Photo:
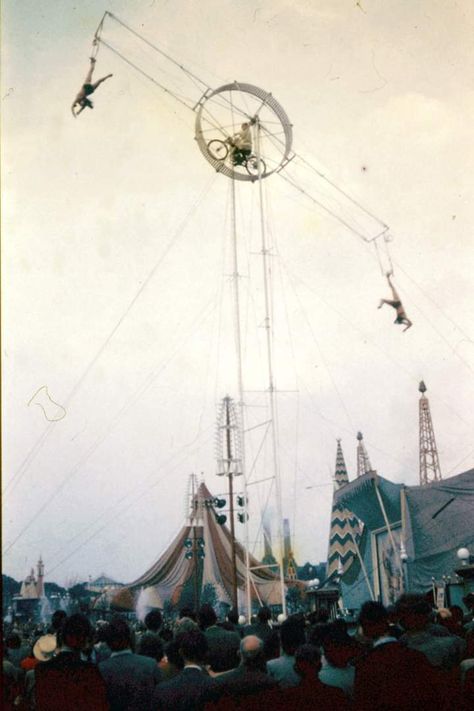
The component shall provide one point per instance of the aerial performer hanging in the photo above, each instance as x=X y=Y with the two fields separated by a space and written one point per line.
x=86 y=90
x=402 y=318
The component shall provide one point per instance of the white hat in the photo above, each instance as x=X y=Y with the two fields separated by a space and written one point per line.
x=45 y=647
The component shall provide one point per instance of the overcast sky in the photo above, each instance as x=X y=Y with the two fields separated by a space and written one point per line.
x=116 y=258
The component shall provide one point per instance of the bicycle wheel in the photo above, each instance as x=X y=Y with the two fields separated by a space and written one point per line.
x=219 y=116
x=218 y=149
x=255 y=167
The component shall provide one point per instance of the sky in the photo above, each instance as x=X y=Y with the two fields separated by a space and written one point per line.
x=117 y=264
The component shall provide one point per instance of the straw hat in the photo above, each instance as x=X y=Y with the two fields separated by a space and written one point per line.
x=45 y=647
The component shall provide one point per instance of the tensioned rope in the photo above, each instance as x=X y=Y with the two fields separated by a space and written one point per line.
x=59 y=488
x=119 y=510
x=21 y=470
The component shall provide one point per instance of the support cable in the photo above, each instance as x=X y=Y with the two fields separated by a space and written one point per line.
x=41 y=440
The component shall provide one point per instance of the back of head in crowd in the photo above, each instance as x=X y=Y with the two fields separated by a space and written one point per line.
x=338 y=645
x=153 y=620
x=13 y=641
x=57 y=620
x=151 y=646
x=233 y=616
x=76 y=632
x=188 y=612
x=193 y=646
x=264 y=614
x=118 y=634
x=373 y=618
x=206 y=617
x=292 y=634
x=307 y=660
x=414 y=611
x=252 y=654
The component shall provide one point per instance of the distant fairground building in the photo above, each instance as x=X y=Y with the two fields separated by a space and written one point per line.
x=27 y=604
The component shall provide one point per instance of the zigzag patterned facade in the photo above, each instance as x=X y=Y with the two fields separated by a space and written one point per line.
x=346 y=530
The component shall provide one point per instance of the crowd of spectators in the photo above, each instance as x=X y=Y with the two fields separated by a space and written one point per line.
x=410 y=657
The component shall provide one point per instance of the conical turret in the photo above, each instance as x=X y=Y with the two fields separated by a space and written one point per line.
x=345 y=527
x=340 y=474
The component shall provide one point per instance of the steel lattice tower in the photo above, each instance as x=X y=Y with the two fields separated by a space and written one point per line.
x=363 y=461
x=429 y=460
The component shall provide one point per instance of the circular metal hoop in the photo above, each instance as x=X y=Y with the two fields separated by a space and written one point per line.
x=219 y=116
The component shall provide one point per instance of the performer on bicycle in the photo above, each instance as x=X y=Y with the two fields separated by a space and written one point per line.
x=241 y=145
x=86 y=90
x=396 y=303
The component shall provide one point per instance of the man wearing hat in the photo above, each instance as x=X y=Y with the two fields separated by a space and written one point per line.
x=65 y=681
x=43 y=650
x=44 y=647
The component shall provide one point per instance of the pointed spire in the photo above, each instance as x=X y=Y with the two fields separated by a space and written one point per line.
x=345 y=527
x=340 y=475
x=363 y=461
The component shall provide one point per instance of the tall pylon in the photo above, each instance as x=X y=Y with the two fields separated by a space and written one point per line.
x=363 y=461
x=429 y=460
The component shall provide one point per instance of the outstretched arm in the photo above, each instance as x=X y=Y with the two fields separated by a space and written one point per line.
x=76 y=113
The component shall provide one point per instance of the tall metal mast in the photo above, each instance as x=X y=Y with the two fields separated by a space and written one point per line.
x=271 y=381
x=363 y=461
x=429 y=461
x=241 y=403
x=229 y=465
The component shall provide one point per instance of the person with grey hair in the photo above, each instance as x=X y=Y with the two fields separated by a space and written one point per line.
x=250 y=679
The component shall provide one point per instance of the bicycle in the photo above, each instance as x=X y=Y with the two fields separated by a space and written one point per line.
x=220 y=150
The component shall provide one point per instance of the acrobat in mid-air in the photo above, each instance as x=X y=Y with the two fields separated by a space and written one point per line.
x=87 y=89
x=402 y=318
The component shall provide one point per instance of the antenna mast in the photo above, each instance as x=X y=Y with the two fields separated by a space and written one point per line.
x=363 y=461
x=429 y=461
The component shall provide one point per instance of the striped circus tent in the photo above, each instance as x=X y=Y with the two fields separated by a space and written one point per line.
x=200 y=555
x=346 y=529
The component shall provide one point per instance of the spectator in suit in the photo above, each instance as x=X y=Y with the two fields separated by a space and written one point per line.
x=223 y=644
x=310 y=693
x=249 y=682
x=66 y=681
x=16 y=649
x=292 y=636
x=172 y=663
x=263 y=629
x=391 y=676
x=231 y=623
x=339 y=651
x=153 y=621
x=130 y=678
x=415 y=613
x=192 y=687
